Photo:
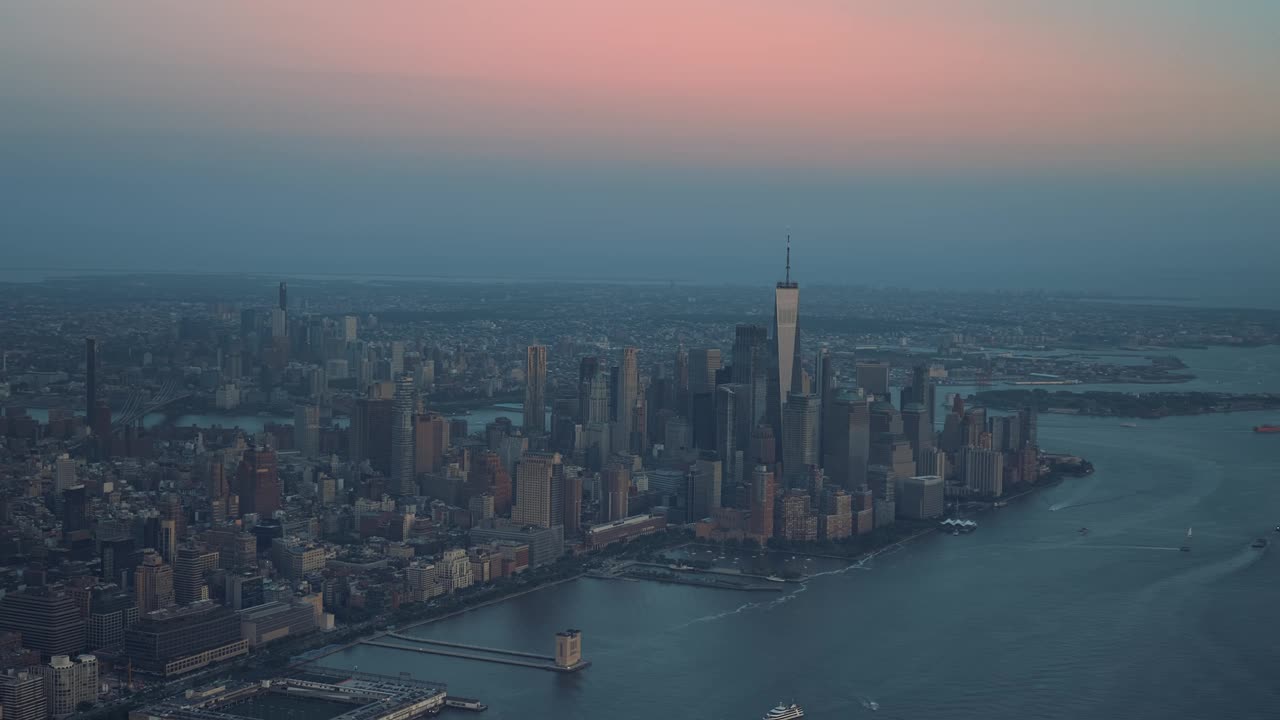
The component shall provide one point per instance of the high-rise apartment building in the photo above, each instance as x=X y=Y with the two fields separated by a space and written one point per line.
x=68 y=683
x=153 y=583
x=455 y=570
x=403 y=479
x=535 y=390
x=306 y=430
x=536 y=476
x=431 y=439
x=347 y=330
x=64 y=473
x=22 y=696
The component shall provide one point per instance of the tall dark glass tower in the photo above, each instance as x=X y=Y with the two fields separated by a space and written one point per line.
x=90 y=377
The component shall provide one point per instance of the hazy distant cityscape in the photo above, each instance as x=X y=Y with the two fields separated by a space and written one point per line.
x=212 y=480
x=682 y=358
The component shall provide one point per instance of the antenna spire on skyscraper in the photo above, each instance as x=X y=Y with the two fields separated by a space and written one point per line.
x=788 y=258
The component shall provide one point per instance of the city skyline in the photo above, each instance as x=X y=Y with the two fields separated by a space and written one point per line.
x=367 y=361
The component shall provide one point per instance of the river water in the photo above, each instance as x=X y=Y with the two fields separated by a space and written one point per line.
x=1026 y=618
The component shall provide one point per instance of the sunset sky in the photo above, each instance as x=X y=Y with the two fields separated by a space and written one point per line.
x=589 y=136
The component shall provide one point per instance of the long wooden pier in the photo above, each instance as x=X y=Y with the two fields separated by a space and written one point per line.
x=474 y=652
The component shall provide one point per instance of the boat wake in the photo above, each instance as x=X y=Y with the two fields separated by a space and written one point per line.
x=1067 y=506
x=861 y=564
x=868 y=703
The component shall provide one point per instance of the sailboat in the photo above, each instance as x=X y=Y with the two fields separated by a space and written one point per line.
x=1186 y=546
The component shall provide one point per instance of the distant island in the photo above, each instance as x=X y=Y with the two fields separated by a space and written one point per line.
x=1129 y=405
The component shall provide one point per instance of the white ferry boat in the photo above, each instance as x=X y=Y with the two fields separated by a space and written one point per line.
x=785 y=712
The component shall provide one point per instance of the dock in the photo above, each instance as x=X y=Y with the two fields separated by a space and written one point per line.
x=476 y=652
x=713 y=583
x=464 y=703
x=463 y=646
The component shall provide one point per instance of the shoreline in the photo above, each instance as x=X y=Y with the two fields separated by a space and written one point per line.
x=477 y=606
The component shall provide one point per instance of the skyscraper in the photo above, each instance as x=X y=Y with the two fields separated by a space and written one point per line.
x=799 y=437
x=750 y=348
x=535 y=390
x=259 y=482
x=681 y=372
x=306 y=430
x=727 y=425
x=403 y=480
x=90 y=377
x=983 y=470
x=628 y=388
x=284 y=296
x=370 y=434
x=153 y=583
x=917 y=428
x=924 y=391
x=189 y=574
x=786 y=315
x=705 y=488
x=431 y=439
x=1027 y=432
x=588 y=368
x=703 y=364
x=873 y=378
x=598 y=398
x=824 y=387
x=67 y=683
x=571 y=483
x=616 y=485
x=535 y=491
x=762 y=490
x=64 y=472
x=848 y=441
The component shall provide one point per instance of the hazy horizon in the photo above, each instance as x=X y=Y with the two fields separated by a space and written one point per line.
x=1126 y=146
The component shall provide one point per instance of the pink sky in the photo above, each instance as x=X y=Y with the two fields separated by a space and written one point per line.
x=821 y=83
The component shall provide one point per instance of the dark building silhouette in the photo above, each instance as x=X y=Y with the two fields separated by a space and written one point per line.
x=183 y=639
x=48 y=618
x=259 y=482
x=370 y=434
x=90 y=377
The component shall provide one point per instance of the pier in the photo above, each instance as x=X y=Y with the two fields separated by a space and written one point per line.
x=502 y=656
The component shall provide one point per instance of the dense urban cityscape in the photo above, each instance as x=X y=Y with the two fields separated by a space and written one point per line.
x=682 y=358
x=192 y=486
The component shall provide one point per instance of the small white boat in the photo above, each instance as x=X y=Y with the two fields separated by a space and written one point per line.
x=785 y=712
